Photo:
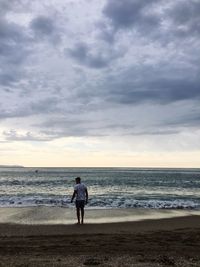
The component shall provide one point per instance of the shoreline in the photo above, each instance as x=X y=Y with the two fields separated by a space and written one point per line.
x=43 y=215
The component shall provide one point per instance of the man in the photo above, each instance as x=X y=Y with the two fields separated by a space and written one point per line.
x=81 y=194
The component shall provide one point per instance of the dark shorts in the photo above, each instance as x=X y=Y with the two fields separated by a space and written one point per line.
x=80 y=204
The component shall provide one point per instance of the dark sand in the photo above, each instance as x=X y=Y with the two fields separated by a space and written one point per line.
x=148 y=243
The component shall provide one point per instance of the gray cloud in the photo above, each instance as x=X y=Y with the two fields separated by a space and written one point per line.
x=95 y=56
x=47 y=105
x=12 y=38
x=7 y=78
x=130 y=14
x=12 y=135
x=185 y=18
x=37 y=107
x=82 y=54
x=157 y=132
x=13 y=51
x=47 y=28
x=16 y=43
x=42 y=25
x=8 y=5
x=190 y=119
x=10 y=31
x=70 y=126
x=165 y=22
x=74 y=127
x=159 y=90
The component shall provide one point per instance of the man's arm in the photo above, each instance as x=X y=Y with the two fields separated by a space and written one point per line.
x=73 y=196
x=86 y=194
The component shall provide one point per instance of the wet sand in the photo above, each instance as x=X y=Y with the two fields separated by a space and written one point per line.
x=153 y=242
x=58 y=215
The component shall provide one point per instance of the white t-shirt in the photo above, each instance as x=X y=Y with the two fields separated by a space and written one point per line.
x=80 y=189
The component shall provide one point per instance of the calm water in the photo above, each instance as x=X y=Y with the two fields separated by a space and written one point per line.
x=108 y=187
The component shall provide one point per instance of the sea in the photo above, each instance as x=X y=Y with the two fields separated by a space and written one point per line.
x=109 y=188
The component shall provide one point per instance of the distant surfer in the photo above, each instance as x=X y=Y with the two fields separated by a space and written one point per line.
x=36 y=171
x=81 y=195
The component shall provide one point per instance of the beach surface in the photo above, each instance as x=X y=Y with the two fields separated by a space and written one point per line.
x=152 y=239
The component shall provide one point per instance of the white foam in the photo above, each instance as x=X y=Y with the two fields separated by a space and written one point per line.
x=99 y=202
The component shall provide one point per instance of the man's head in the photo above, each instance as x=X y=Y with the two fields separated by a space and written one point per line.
x=78 y=180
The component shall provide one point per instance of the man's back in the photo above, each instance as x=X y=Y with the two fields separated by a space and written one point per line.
x=80 y=191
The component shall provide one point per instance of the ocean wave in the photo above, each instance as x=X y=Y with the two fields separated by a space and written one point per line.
x=36 y=183
x=96 y=203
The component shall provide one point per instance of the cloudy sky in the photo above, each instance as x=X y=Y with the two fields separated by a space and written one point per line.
x=100 y=83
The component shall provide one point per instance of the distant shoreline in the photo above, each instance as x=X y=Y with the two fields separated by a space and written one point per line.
x=101 y=167
x=11 y=166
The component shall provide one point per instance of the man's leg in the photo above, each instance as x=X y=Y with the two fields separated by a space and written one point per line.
x=82 y=215
x=78 y=214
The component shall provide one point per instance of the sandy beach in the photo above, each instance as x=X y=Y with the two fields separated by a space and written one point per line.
x=173 y=241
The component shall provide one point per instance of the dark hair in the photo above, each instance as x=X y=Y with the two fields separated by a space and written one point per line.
x=78 y=179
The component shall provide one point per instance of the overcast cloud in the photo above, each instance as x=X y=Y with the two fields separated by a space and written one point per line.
x=99 y=68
